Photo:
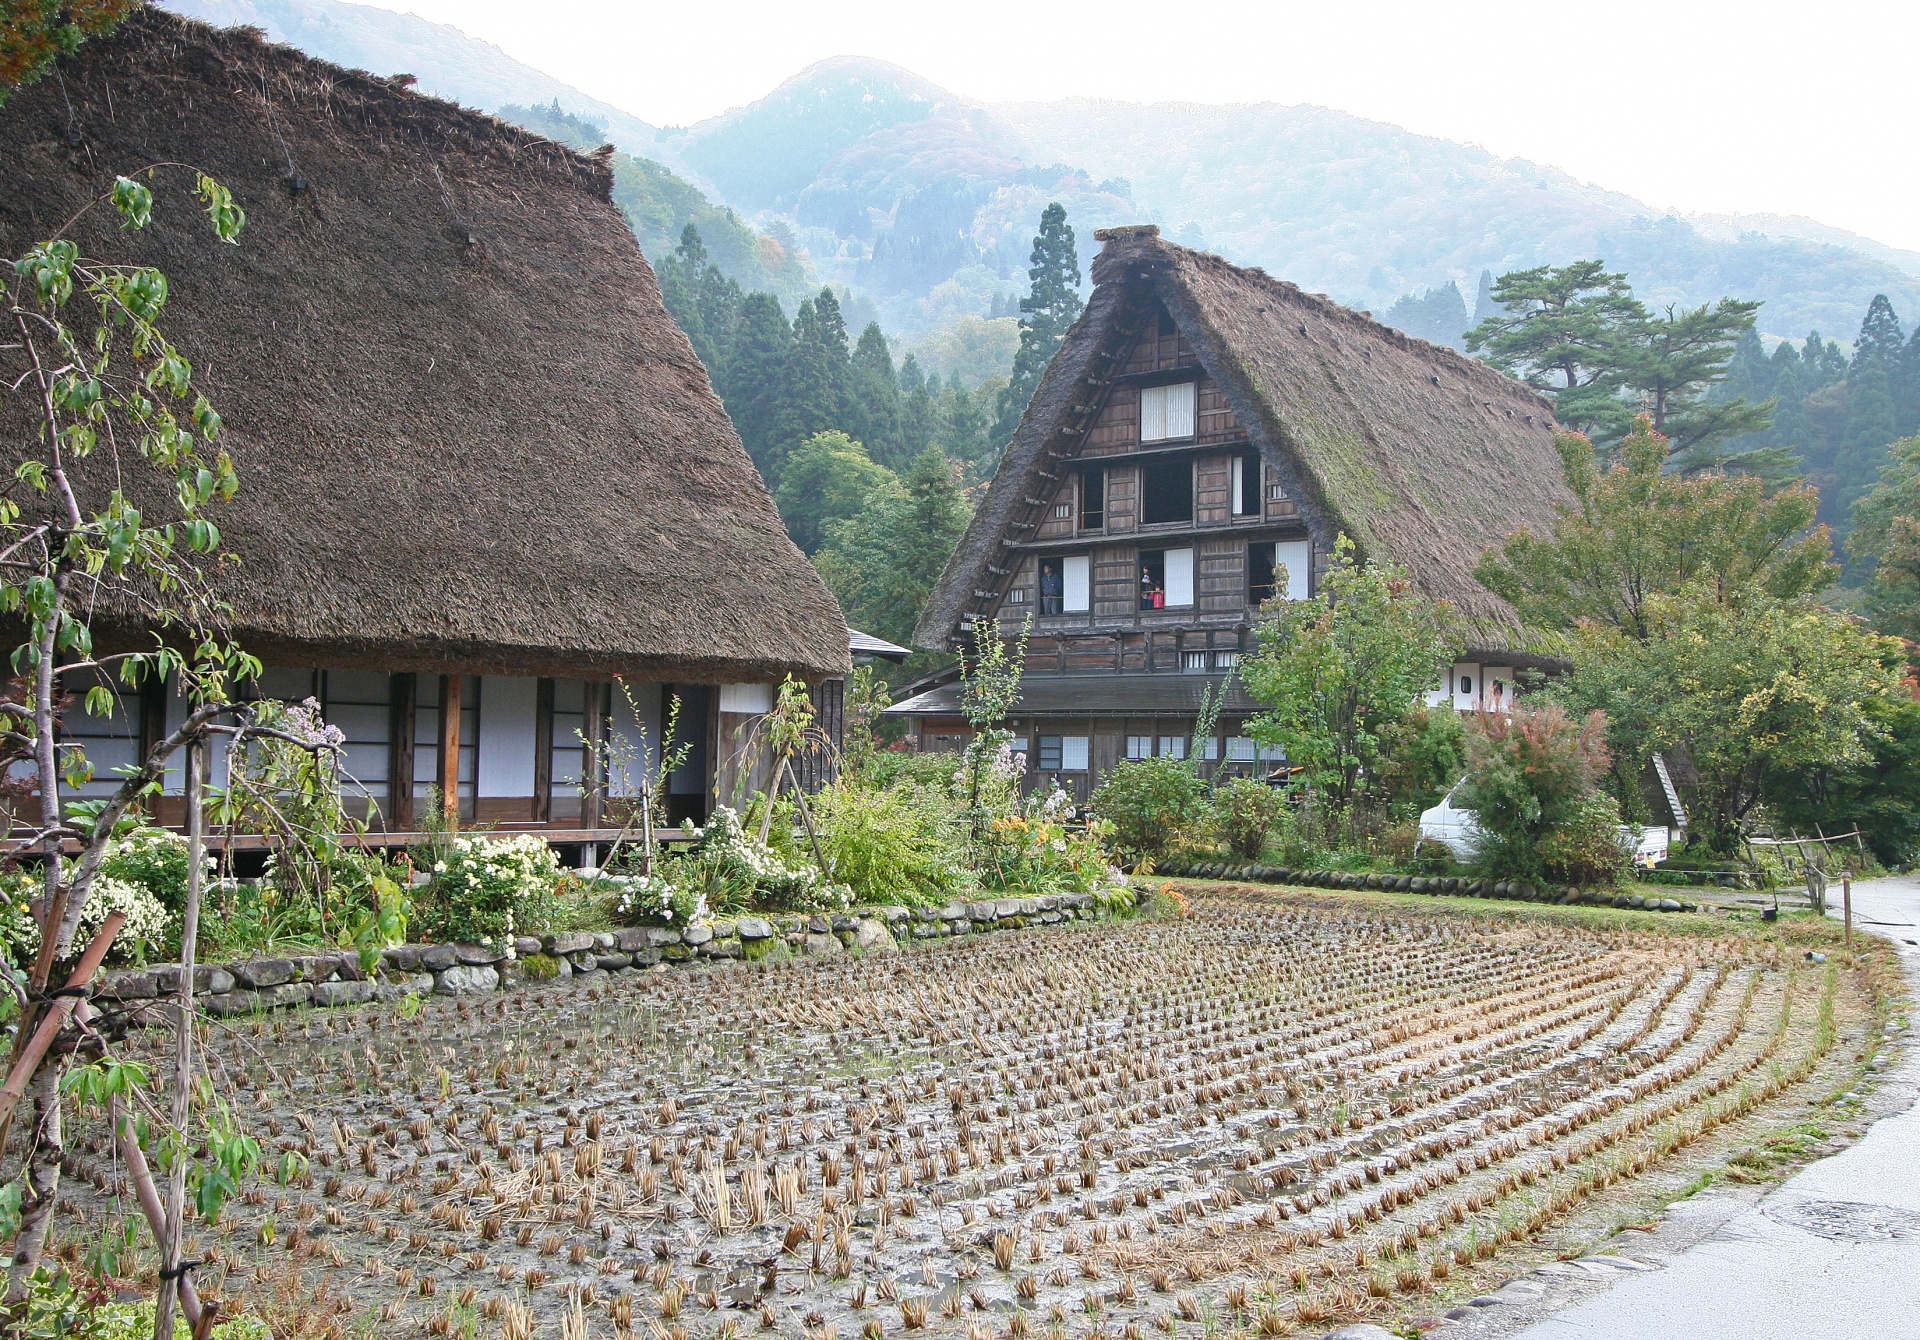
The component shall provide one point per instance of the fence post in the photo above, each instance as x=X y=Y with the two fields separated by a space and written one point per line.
x=1846 y=902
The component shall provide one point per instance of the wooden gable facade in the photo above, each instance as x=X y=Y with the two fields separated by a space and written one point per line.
x=1172 y=473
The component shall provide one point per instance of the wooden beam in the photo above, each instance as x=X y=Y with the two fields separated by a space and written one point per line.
x=543 y=752
x=402 y=726
x=450 y=690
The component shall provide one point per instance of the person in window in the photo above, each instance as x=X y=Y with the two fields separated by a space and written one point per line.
x=1159 y=598
x=1051 y=588
x=1146 y=589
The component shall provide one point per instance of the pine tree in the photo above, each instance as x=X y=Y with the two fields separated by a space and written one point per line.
x=833 y=347
x=1880 y=340
x=1565 y=330
x=1050 y=307
x=680 y=276
x=964 y=432
x=1675 y=359
x=720 y=299
x=1484 y=307
x=1906 y=398
x=755 y=381
x=1824 y=361
x=876 y=400
x=809 y=403
x=916 y=408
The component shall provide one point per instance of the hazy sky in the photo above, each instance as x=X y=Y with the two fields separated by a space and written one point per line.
x=1758 y=107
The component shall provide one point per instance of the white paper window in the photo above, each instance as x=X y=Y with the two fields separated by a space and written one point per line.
x=1240 y=749
x=1018 y=744
x=1173 y=746
x=1139 y=746
x=1166 y=412
x=1179 y=576
x=1073 y=753
x=1466 y=687
x=746 y=698
x=1272 y=753
x=1296 y=556
x=1076 y=583
x=1210 y=749
x=1193 y=662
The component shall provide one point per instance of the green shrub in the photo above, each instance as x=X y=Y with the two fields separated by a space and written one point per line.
x=1527 y=773
x=157 y=861
x=1157 y=806
x=1423 y=754
x=1588 y=847
x=898 y=845
x=887 y=768
x=1249 y=812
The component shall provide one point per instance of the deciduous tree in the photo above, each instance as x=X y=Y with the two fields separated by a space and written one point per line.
x=828 y=478
x=1336 y=670
x=1635 y=531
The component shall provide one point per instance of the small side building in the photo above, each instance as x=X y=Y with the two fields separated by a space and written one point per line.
x=491 y=510
x=1200 y=440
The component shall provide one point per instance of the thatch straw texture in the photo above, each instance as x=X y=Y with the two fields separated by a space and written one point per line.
x=1423 y=456
x=468 y=433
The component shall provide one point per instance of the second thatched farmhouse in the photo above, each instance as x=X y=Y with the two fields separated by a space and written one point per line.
x=483 y=475
x=1203 y=436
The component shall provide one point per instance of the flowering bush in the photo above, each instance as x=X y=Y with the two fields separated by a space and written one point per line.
x=156 y=860
x=1029 y=849
x=486 y=890
x=777 y=886
x=148 y=926
x=654 y=900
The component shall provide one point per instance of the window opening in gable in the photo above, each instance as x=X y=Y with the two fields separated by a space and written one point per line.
x=1166 y=490
x=1093 y=499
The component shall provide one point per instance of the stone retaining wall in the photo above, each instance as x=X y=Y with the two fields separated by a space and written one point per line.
x=336 y=978
x=1517 y=891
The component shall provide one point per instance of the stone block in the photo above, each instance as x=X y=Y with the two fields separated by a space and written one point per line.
x=603 y=940
x=571 y=942
x=823 y=945
x=526 y=944
x=166 y=979
x=402 y=958
x=872 y=936
x=723 y=949
x=696 y=935
x=1006 y=907
x=612 y=962
x=263 y=972
x=660 y=936
x=476 y=956
x=347 y=967
x=130 y=985
x=438 y=958
x=753 y=928
x=466 y=981
x=315 y=967
x=980 y=912
x=343 y=993
x=1048 y=902
x=634 y=937
x=954 y=912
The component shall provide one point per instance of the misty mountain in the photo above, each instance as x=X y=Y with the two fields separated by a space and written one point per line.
x=923 y=203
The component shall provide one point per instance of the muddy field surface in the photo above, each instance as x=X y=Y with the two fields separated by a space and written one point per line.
x=1271 y=1114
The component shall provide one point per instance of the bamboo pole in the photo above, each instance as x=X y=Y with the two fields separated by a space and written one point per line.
x=58 y=1012
x=172 y=1280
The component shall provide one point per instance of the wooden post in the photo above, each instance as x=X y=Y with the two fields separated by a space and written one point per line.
x=543 y=752
x=1846 y=903
x=450 y=689
x=401 y=729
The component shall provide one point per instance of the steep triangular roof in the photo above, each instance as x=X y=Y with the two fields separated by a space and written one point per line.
x=1422 y=455
x=468 y=434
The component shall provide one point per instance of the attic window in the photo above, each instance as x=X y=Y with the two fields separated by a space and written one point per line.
x=1166 y=412
x=1093 y=499
x=1166 y=490
x=1246 y=484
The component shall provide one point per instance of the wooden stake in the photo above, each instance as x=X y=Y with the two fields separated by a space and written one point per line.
x=172 y=1282
x=1846 y=902
x=56 y=1018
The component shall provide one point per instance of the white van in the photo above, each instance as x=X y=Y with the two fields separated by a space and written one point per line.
x=1457 y=831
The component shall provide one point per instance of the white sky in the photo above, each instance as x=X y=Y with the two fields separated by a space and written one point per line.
x=1759 y=106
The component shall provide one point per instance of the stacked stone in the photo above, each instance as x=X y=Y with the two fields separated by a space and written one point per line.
x=143 y=994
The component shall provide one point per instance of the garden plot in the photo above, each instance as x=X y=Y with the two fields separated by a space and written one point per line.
x=1267 y=1114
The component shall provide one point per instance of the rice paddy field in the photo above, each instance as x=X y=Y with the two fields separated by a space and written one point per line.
x=1272 y=1114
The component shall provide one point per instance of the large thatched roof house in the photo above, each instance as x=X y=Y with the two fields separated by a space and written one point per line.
x=481 y=468
x=1201 y=439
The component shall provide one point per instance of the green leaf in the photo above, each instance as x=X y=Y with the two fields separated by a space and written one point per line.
x=134 y=201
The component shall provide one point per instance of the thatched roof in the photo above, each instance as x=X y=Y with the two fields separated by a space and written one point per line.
x=469 y=436
x=1423 y=456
